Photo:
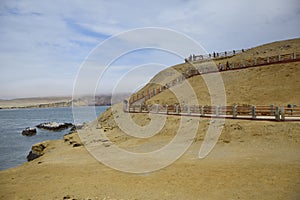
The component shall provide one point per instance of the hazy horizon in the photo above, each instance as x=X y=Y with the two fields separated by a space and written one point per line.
x=66 y=96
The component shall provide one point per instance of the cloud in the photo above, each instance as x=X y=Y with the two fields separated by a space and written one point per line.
x=45 y=42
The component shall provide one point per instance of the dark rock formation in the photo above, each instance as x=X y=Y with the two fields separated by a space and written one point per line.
x=54 y=126
x=29 y=131
x=73 y=139
x=37 y=150
x=76 y=127
x=31 y=156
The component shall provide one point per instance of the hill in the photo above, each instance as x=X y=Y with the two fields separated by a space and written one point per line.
x=277 y=84
x=270 y=84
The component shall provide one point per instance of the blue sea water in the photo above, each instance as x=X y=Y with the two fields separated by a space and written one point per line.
x=14 y=147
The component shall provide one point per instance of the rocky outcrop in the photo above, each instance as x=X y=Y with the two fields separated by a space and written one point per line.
x=54 y=126
x=73 y=139
x=29 y=131
x=37 y=150
x=76 y=127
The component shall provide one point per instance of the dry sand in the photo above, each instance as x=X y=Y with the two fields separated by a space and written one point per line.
x=252 y=160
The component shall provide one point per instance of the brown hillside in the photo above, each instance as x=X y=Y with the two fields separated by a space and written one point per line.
x=273 y=84
x=262 y=85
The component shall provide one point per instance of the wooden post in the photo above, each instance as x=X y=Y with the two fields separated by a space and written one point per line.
x=272 y=110
x=194 y=109
x=167 y=109
x=148 y=108
x=294 y=56
x=124 y=106
x=189 y=110
x=277 y=114
x=279 y=57
x=217 y=110
x=253 y=112
x=176 y=109
x=140 y=108
x=154 y=91
x=282 y=113
x=234 y=111
x=255 y=61
x=201 y=111
x=133 y=108
x=156 y=108
x=268 y=59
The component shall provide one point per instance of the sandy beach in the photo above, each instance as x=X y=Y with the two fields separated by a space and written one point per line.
x=252 y=160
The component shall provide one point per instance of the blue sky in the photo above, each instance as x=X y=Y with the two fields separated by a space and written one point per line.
x=44 y=43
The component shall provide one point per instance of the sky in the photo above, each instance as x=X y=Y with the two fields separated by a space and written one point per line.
x=45 y=44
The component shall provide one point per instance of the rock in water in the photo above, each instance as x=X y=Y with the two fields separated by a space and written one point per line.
x=76 y=127
x=54 y=126
x=29 y=131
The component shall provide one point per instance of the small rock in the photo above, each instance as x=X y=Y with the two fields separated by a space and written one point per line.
x=76 y=127
x=106 y=144
x=29 y=131
x=77 y=145
x=37 y=150
x=67 y=197
x=226 y=140
x=31 y=156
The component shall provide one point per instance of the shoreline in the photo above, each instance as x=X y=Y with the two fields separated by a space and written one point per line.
x=16 y=146
x=265 y=160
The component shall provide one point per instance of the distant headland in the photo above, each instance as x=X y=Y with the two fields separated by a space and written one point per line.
x=67 y=101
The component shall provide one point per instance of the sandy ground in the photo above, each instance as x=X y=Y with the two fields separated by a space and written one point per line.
x=252 y=160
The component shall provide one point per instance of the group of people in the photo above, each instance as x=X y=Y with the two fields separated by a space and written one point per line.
x=193 y=57
x=223 y=67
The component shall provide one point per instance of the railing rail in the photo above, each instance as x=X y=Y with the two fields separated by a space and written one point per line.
x=272 y=112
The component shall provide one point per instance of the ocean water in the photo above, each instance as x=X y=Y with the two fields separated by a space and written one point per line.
x=14 y=147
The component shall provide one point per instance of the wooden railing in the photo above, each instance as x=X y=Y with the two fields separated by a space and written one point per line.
x=256 y=62
x=278 y=113
x=196 y=58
